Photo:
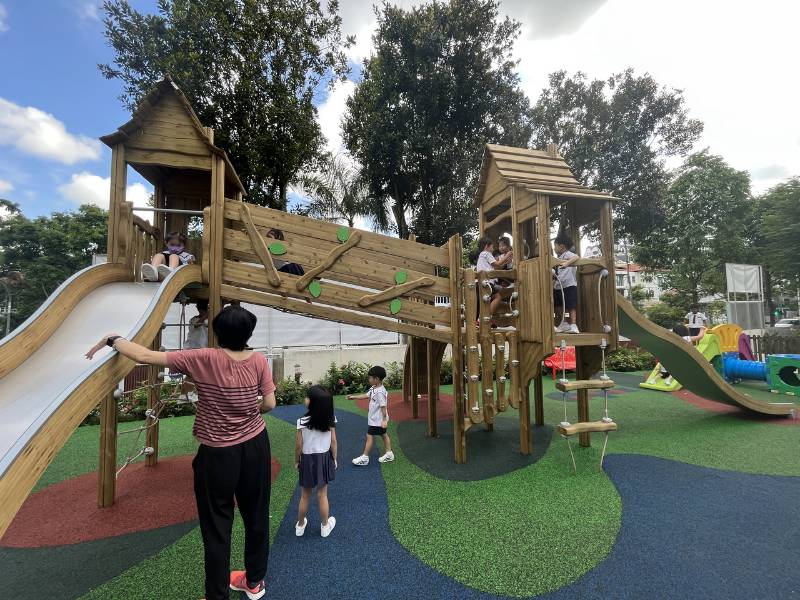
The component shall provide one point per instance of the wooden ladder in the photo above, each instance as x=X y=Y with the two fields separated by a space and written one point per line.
x=604 y=425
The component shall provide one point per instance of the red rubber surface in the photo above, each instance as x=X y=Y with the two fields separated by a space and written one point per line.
x=401 y=411
x=735 y=411
x=147 y=498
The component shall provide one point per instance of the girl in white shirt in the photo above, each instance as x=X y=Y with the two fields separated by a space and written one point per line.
x=315 y=457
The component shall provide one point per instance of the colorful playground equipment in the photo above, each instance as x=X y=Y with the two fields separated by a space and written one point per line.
x=728 y=351
x=350 y=276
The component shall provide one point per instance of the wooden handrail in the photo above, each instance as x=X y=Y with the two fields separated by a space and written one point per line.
x=145 y=226
x=581 y=262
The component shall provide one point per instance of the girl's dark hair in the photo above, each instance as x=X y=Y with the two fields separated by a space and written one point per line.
x=233 y=326
x=483 y=242
x=378 y=372
x=564 y=240
x=175 y=235
x=320 y=409
x=681 y=330
x=202 y=305
x=504 y=240
x=275 y=233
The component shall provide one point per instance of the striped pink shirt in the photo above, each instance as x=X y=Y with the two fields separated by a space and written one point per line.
x=228 y=390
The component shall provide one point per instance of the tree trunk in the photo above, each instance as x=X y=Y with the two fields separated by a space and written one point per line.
x=768 y=297
x=283 y=188
x=400 y=218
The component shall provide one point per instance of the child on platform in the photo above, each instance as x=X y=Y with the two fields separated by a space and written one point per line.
x=198 y=328
x=565 y=287
x=315 y=457
x=487 y=262
x=377 y=418
x=175 y=255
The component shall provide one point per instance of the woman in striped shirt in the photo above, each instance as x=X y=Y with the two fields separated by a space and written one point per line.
x=233 y=460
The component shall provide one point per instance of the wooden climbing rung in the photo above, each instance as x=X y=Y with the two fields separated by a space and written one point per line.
x=586 y=427
x=584 y=384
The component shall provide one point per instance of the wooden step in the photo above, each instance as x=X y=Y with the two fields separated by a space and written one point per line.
x=584 y=384
x=586 y=427
x=580 y=339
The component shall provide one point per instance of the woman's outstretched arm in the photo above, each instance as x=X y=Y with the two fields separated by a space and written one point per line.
x=131 y=350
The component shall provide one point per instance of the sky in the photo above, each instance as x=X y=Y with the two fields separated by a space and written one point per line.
x=734 y=61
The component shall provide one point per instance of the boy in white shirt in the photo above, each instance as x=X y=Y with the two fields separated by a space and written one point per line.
x=695 y=320
x=566 y=304
x=377 y=417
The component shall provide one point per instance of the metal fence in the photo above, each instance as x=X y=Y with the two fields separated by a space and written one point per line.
x=763 y=345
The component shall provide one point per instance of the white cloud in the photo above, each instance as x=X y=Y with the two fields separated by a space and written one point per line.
x=38 y=133
x=5 y=186
x=773 y=171
x=88 y=10
x=88 y=188
x=330 y=113
x=3 y=19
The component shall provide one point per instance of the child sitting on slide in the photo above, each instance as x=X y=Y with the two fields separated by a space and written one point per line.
x=164 y=262
x=682 y=331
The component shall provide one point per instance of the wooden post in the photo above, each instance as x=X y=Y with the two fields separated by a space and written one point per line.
x=107 y=471
x=153 y=397
x=119 y=183
x=485 y=341
x=459 y=437
x=584 y=439
x=471 y=338
x=538 y=399
x=433 y=388
x=216 y=238
x=525 y=418
x=413 y=343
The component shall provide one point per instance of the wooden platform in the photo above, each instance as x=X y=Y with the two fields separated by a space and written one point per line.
x=580 y=339
x=586 y=427
x=584 y=384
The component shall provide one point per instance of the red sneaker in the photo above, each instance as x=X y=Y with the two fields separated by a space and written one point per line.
x=239 y=583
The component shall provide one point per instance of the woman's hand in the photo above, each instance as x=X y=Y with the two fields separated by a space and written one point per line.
x=297 y=466
x=99 y=345
x=335 y=464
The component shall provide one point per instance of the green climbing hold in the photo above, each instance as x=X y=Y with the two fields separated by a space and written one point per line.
x=343 y=234
x=400 y=277
x=277 y=248
x=315 y=288
x=395 y=306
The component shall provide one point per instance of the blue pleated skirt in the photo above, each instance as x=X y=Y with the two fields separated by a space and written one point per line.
x=317 y=469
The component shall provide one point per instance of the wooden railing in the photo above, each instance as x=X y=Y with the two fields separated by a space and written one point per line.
x=137 y=240
x=774 y=344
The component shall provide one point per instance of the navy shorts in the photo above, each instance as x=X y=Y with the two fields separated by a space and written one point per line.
x=375 y=430
x=570 y=297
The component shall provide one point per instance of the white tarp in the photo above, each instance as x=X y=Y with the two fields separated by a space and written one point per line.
x=276 y=329
x=745 y=295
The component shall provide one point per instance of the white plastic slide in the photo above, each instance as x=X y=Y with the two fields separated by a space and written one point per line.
x=47 y=386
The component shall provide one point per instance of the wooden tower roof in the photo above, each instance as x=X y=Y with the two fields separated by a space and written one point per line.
x=539 y=171
x=164 y=131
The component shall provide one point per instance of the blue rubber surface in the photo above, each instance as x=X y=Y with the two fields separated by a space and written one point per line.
x=686 y=531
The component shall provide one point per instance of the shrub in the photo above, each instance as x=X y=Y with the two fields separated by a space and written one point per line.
x=446 y=374
x=627 y=359
x=132 y=406
x=288 y=391
x=394 y=376
x=665 y=315
x=347 y=379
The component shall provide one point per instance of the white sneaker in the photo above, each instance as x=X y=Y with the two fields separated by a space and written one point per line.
x=325 y=530
x=149 y=272
x=361 y=461
x=299 y=531
x=573 y=329
x=164 y=271
x=388 y=457
x=563 y=327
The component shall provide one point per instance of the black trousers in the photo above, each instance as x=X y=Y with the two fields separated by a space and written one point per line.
x=243 y=472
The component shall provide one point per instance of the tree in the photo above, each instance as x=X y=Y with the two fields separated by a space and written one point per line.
x=615 y=134
x=440 y=84
x=337 y=192
x=47 y=250
x=250 y=69
x=707 y=225
x=779 y=233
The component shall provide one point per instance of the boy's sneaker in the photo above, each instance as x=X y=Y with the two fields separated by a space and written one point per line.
x=388 y=457
x=361 y=461
x=239 y=583
x=573 y=329
x=564 y=327
x=298 y=530
x=164 y=271
x=149 y=272
x=325 y=530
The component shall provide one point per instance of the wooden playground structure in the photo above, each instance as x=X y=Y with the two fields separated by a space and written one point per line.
x=368 y=279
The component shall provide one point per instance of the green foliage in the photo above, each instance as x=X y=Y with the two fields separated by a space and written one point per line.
x=446 y=374
x=638 y=297
x=394 y=376
x=132 y=406
x=709 y=223
x=47 y=250
x=665 y=315
x=627 y=359
x=250 y=69
x=439 y=85
x=779 y=233
x=350 y=378
x=614 y=135
x=288 y=391
x=336 y=192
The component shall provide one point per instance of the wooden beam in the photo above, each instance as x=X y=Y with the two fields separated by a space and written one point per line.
x=260 y=247
x=153 y=399
x=584 y=384
x=330 y=313
x=514 y=378
x=414 y=372
x=107 y=466
x=432 y=373
x=456 y=341
x=395 y=291
x=500 y=370
x=216 y=226
x=471 y=313
x=538 y=399
x=304 y=281
x=143 y=156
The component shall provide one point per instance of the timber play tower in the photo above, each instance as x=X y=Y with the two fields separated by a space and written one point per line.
x=350 y=276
